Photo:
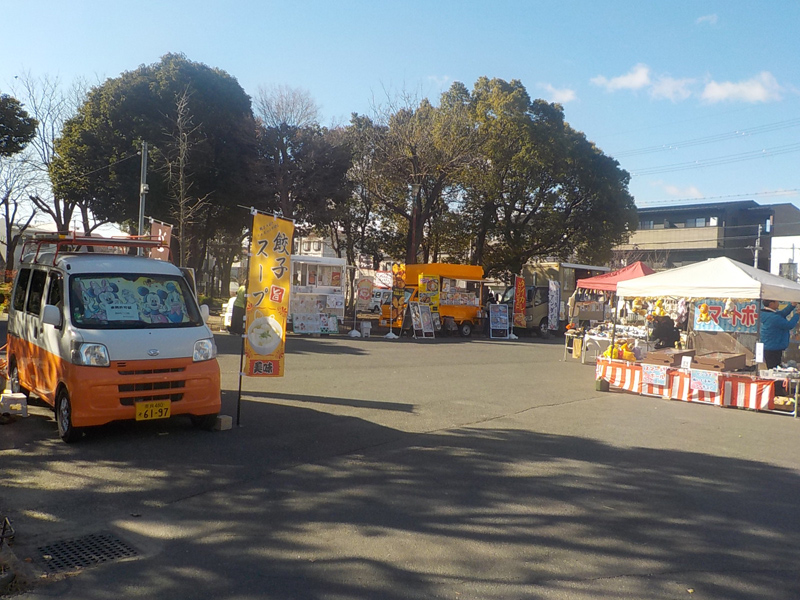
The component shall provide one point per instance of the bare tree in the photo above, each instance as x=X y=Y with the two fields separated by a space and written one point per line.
x=186 y=207
x=52 y=105
x=15 y=181
x=282 y=105
x=282 y=113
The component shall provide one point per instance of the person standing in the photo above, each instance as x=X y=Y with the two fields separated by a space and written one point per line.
x=239 y=307
x=775 y=328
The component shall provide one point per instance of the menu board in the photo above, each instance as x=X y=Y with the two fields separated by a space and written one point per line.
x=498 y=321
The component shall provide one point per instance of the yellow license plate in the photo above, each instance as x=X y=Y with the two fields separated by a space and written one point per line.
x=156 y=409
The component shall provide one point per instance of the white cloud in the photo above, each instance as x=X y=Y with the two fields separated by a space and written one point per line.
x=674 y=191
x=671 y=89
x=710 y=19
x=678 y=192
x=561 y=96
x=761 y=88
x=442 y=81
x=637 y=78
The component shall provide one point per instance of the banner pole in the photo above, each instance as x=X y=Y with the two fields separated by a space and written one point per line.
x=239 y=400
x=242 y=335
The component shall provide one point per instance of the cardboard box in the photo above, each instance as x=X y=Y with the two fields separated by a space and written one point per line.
x=720 y=361
x=670 y=357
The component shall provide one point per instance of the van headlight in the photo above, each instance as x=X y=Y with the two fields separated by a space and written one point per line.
x=89 y=354
x=204 y=350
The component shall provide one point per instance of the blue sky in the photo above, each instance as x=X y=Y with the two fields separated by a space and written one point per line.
x=695 y=99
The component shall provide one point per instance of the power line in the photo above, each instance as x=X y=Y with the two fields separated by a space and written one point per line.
x=108 y=166
x=721 y=160
x=710 y=139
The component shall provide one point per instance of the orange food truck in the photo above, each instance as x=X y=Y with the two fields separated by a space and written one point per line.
x=455 y=294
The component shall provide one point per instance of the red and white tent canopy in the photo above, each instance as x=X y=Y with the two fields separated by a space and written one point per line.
x=607 y=282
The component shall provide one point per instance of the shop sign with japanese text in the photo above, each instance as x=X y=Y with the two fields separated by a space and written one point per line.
x=726 y=315
x=519 y=302
x=268 y=285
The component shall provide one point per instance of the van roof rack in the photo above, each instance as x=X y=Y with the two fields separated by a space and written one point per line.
x=66 y=242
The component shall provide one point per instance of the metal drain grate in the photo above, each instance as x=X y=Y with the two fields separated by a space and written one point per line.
x=95 y=549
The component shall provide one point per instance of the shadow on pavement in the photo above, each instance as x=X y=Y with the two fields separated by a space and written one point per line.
x=303 y=504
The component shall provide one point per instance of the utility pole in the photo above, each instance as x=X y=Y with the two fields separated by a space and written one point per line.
x=143 y=189
x=757 y=248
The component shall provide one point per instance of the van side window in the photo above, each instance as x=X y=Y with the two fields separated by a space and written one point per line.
x=38 y=279
x=541 y=296
x=21 y=289
x=55 y=291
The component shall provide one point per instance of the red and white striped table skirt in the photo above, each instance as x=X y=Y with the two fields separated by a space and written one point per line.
x=734 y=390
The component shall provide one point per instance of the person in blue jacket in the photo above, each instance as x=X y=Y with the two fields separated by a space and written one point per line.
x=775 y=328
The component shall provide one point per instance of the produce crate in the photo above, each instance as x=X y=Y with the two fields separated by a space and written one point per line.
x=670 y=357
x=720 y=361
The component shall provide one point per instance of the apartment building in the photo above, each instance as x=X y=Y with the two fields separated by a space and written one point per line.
x=673 y=236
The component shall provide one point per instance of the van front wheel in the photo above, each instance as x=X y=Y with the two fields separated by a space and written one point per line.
x=66 y=430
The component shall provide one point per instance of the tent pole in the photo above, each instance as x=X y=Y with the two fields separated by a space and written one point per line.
x=613 y=324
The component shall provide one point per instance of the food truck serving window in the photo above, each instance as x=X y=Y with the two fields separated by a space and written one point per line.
x=459 y=292
x=131 y=301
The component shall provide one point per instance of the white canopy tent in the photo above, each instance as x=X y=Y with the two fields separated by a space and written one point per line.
x=713 y=278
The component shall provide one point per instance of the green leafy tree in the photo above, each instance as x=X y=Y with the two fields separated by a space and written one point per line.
x=540 y=188
x=416 y=154
x=95 y=167
x=17 y=127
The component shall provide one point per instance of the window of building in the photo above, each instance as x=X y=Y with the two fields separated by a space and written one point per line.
x=317 y=246
x=306 y=246
x=645 y=224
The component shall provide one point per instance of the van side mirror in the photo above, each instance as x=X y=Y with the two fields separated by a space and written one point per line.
x=52 y=316
x=204 y=312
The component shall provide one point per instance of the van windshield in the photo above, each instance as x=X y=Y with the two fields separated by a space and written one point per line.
x=131 y=301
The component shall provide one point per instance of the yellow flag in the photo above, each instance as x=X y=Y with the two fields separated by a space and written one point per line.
x=268 y=285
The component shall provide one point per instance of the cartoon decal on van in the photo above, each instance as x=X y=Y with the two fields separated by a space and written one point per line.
x=117 y=300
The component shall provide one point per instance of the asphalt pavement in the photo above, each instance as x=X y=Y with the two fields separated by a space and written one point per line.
x=416 y=469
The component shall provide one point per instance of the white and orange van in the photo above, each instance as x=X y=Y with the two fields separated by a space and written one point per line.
x=103 y=337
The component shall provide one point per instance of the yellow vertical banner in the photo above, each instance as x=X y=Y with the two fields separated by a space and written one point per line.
x=398 y=291
x=268 y=284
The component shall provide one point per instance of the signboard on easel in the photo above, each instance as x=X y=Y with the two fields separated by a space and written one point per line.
x=498 y=322
x=420 y=324
x=426 y=316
